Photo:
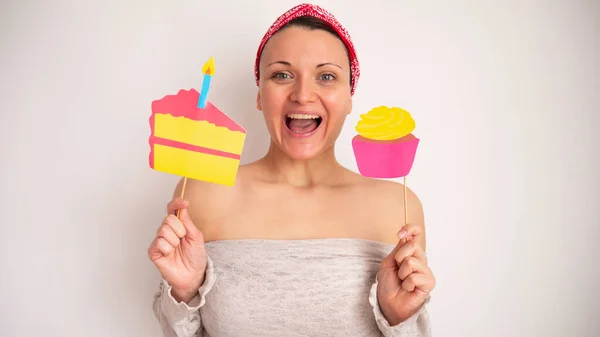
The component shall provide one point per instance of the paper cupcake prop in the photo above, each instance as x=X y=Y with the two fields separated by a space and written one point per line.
x=385 y=146
x=192 y=138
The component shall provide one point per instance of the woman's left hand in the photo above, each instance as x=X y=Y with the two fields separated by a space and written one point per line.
x=404 y=278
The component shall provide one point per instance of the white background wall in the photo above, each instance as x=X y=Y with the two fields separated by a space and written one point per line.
x=506 y=99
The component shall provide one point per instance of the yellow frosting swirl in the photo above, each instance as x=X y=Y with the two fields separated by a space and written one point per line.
x=383 y=123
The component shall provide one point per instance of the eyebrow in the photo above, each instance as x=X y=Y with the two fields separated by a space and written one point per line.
x=333 y=64
x=318 y=66
x=282 y=62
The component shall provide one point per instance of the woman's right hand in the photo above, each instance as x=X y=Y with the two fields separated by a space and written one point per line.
x=178 y=252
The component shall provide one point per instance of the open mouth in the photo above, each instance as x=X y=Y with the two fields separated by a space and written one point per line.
x=302 y=124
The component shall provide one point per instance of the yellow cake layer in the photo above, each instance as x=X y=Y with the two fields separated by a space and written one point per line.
x=199 y=133
x=195 y=165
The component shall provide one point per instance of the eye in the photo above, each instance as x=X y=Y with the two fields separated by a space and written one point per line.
x=327 y=77
x=281 y=76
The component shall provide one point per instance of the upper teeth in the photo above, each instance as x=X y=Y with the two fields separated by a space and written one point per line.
x=301 y=116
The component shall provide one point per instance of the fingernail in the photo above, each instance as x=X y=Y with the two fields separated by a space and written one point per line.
x=402 y=234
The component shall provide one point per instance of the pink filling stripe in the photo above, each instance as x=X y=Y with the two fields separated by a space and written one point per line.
x=189 y=147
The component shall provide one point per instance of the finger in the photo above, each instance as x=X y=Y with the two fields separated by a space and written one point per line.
x=175 y=204
x=419 y=282
x=409 y=232
x=410 y=248
x=406 y=232
x=192 y=231
x=159 y=248
x=167 y=233
x=164 y=247
x=411 y=265
x=176 y=225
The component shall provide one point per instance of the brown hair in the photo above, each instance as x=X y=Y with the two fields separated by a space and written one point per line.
x=312 y=23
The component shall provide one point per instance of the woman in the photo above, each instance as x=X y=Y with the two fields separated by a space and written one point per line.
x=300 y=246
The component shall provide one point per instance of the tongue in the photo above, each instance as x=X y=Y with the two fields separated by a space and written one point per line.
x=302 y=125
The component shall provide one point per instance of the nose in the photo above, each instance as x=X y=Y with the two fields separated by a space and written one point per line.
x=303 y=91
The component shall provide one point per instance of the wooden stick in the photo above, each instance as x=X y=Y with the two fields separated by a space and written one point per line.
x=405 y=210
x=182 y=193
x=405 y=204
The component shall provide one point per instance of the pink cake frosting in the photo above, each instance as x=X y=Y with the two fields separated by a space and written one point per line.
x=185 y=104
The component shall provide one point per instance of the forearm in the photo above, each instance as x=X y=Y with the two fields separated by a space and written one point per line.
x=418 y=325
x=391 y=316
x=178 y=313
x=186 y=295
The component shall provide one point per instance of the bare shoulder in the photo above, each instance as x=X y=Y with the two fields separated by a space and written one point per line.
x=207 y=200
x=389 y=197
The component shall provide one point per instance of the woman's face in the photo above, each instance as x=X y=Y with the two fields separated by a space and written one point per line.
x=304 y=90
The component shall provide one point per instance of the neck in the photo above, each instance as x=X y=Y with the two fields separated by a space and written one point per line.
x=320 y=170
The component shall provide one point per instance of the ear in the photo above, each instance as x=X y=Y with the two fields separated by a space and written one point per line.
x=258 y=103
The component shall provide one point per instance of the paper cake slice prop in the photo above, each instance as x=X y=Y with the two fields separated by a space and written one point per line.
x=385 y=146
x=192 y=138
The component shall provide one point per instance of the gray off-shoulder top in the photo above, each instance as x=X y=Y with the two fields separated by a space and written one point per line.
x=312 y=287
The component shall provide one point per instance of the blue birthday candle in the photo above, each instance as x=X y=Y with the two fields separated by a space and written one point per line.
x=208 y=70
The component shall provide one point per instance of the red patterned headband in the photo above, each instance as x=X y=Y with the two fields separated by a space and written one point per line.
x=320 y=13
